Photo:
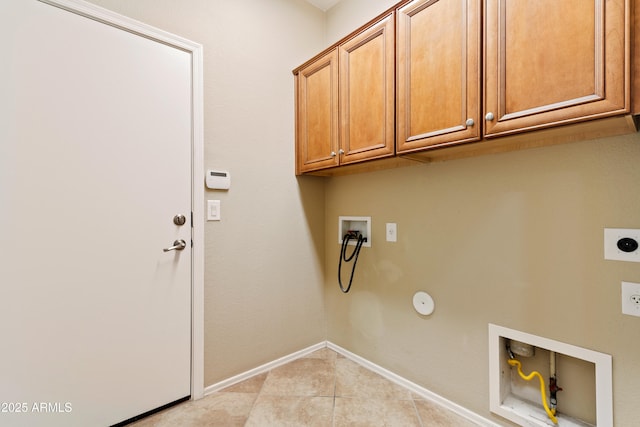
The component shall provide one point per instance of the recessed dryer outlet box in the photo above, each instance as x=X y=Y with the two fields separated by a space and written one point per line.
x=622 y=244
x=361 y=224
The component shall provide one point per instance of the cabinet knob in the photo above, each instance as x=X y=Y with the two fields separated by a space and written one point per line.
x=333 y=154
x=470 y=122
x=341 y=151
x=489 y=116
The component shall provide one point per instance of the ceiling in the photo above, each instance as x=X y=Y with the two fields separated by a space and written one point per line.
x=323 y=5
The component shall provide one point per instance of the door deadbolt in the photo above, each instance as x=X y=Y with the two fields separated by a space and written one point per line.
x=179 y=220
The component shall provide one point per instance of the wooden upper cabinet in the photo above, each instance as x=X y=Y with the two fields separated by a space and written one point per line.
x=427 y=78
x=345 y=101
x=367 y=93
x=635 y=58
x=551 y=62
x=317 y=114
x=438 y=74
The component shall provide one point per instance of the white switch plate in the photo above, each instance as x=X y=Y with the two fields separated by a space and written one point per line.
x=392 y=232
x=213 y=210
x=631 y=298
x=611 y=251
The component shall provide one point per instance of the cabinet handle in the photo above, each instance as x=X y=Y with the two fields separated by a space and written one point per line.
x=341 y=151
x=470 y=122
x=489 y=116
x=333 y=154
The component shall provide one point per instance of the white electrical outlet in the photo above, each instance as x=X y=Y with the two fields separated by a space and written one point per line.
x=392 y=232
x=631 y=298
x=622 y=244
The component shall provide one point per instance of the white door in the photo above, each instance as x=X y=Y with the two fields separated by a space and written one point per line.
x=95 y=162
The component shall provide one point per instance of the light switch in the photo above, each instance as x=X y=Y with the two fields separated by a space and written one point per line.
x=213 y=210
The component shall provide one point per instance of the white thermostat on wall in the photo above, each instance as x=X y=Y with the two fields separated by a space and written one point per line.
x=218 y=180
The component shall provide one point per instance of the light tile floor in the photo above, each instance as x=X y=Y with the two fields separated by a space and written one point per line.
x=322 y=389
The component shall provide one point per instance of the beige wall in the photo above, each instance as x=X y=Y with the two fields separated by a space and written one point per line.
x=348 y=15
x=513 y=239
x=264 y=260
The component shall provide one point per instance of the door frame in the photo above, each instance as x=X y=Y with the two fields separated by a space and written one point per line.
x=124 y=23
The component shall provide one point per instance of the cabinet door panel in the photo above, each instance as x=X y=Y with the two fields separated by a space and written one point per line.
x=553 y=62
x=317 y=114
x=438 y=73
x=635 y=58
x=367 y=94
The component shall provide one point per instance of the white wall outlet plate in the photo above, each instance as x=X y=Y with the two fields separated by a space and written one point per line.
x=631 y=298
x=392 y=232
x=622 y=244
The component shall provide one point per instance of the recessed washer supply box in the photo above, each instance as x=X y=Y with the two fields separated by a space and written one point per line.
x=362 y=224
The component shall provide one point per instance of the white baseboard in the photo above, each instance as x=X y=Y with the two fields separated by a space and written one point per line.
x=397 y=379
x=413 y=387
x=263 y=368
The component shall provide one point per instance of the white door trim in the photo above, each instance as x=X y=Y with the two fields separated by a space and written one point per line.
x=197 y=165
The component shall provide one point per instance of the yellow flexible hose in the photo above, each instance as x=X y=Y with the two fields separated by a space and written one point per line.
x=543 y=394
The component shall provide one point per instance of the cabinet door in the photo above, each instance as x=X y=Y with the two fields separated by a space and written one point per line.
x=553 y=62
x=367 y=94
x=438 y=73
x=317 y=114
x=635 y=58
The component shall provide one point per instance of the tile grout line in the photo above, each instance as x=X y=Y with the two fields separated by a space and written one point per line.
x=413 y=402
x=253 y=405
x=335 y=382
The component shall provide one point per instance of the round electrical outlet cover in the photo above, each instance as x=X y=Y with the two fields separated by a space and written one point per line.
x=423 y=303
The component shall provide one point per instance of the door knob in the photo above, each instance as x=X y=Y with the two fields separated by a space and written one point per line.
x=178 y=245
